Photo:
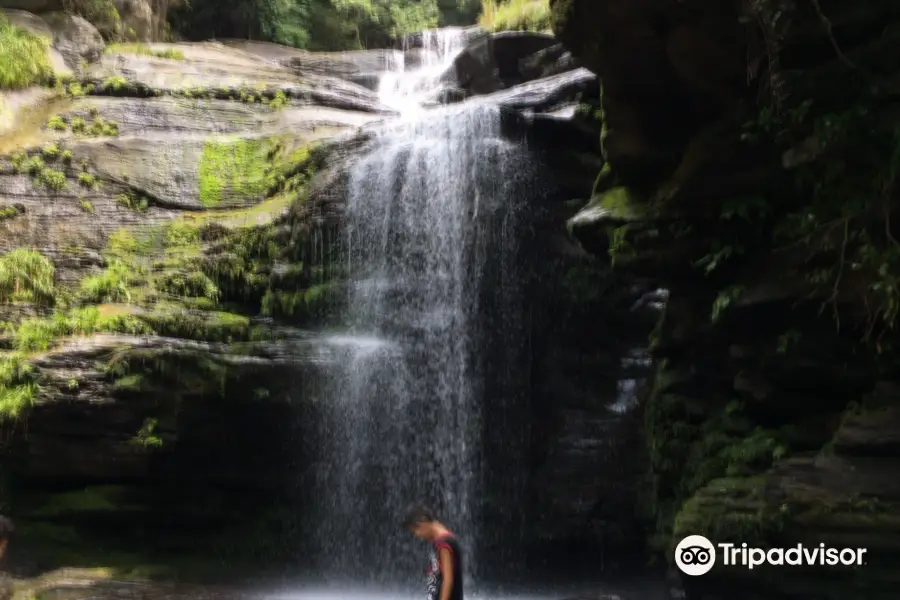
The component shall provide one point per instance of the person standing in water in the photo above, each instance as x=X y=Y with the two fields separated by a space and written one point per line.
x=444 y=574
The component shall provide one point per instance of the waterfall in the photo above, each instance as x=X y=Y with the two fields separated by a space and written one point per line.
x=407 y=90
x=431 y=246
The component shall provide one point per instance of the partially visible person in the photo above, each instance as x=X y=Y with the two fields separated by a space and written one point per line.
x=444 y=575
x=6 y=531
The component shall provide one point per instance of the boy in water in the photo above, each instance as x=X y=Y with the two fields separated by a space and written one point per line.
x=444 y=574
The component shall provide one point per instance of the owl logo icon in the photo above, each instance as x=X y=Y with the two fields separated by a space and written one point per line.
x=695 y=555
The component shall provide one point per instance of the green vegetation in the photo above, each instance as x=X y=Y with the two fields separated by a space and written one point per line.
x=57 y=123
x=87 y=180
x=516 y=15
x=102 y=13
x=37 y=334
x=18 y=386
x=98 y=126
x=52 y=179
x=86 y=206
x=9 y=212
x=24 y=57
x=143 y=49
x=133 y=201
x=232 y=169
x=115 y=83
x=27 y=276
x=320 y=24
x=40 y=172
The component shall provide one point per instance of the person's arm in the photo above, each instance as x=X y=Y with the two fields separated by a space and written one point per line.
x=446 y=560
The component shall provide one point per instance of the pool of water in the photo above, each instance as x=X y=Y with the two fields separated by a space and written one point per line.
x=634 y=590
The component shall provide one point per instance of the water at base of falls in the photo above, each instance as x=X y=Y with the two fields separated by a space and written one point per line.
x=431 y=241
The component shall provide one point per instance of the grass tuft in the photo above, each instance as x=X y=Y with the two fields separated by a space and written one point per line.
x=24 y=58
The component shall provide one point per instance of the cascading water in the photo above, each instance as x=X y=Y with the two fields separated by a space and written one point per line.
x=431 y=241
x=408 y=89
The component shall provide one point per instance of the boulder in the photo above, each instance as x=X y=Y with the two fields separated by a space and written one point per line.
x=76 y=39
x=492 y=63
x=546 y=94
x=551 y=61
x=137 y=20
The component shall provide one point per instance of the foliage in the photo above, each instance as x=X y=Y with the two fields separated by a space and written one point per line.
x=102 y=13
x=52 y=179
x=38 y=334
x=316 y=24
x=133 y=201
x=56 y=123
x=516 y=15
x=27 y=276
x=18 y=386
x=98 y=126
x=87 y=180
x=24 y=58
x=112 y=285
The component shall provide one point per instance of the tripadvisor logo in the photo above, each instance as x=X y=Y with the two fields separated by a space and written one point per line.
x=695 y=555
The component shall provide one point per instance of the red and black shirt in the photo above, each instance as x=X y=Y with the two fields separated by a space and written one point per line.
x=435 y=578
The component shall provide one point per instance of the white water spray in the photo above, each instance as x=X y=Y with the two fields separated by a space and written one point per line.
x=409 y=88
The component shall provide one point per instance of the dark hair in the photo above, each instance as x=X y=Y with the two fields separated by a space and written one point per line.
x=416 y=514
x=6 y=528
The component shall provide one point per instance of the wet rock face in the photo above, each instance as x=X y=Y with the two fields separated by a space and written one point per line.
x=768 y=423
x=154 y=196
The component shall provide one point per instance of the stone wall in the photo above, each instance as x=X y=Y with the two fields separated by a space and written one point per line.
x=743 y=140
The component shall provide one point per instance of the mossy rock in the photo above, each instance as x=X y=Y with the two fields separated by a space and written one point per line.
x=728 y=510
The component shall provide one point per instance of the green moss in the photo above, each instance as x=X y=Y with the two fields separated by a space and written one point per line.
x=620 y=204
x=145 y=50
x=170 y=370
x=147 y=436
x=66 y=157
x=86 y=206
x=297 y=304
x=211 y=326
x=24 y=57
x=732 y=509
x=232 y=170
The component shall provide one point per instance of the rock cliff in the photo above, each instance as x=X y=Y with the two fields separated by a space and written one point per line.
x=750 y=153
